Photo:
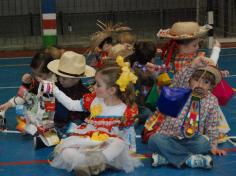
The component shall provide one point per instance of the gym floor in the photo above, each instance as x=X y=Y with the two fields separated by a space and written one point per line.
x=19 y=158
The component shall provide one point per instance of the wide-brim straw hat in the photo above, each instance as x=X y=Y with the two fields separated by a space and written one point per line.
x=71 y=65
x=184 y=30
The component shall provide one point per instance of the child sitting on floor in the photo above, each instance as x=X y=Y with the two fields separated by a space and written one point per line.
x=70 y=77
x=35 y=110
x=108 y=133
x=189 y=137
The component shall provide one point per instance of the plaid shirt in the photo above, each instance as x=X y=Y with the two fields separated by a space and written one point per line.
x=182 y=60
x=209 y=117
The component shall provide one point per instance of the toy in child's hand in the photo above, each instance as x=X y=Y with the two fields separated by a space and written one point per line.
x=47 y=87
x=20 y=110
x=26 y=78
x=21 y=125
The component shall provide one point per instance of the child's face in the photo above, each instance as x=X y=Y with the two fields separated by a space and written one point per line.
x=101 y=89
x=191 y=47
x=200 y=86
x=40 y=76
x=67 y=82
x=106 y=47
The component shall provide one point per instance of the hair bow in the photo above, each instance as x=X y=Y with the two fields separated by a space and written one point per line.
x=126 y=76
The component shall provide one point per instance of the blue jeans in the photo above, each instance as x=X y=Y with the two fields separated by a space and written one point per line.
x=177 y=151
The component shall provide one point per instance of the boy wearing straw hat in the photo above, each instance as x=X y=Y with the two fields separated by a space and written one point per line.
x=188 y=138
x=71 y=70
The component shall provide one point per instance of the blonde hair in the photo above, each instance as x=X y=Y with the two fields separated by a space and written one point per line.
x=112 y=73
x=54 y=52
x=123 y=50
x=126 y=37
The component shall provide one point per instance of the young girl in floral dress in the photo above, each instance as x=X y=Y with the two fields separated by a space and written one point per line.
x=108 y=134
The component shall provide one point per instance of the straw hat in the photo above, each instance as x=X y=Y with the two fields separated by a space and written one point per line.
x=97 y=38
x=214 y=70
x=208 y=64
x=184 y=30
x=71 y=65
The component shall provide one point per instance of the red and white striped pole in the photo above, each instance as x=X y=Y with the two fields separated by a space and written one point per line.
x=49 y=26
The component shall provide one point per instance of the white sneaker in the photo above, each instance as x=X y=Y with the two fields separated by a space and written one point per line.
x=158 y=160
x=200 y=161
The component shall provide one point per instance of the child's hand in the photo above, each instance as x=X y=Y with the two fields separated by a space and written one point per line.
x=158 y=51
x=202 y=61
x=5 y=106
x=216 y=44
x=26 y=78
x=225 y=73
x=216 y=151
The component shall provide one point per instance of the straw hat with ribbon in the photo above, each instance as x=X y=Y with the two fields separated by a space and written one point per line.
x=71 y=65
x=184 y=30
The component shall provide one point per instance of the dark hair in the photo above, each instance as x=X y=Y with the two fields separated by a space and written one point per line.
x=111 y=74
x=143 y=52
x=40 y=61
x=207 y=76
x=107 y=40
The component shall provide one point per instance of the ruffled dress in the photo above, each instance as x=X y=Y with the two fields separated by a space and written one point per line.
x=103 y=134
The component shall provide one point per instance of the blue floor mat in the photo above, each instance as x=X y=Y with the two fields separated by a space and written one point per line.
x=18 y=157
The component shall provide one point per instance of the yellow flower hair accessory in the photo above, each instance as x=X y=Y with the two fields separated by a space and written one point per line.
x=126 y=75
x=95 y=110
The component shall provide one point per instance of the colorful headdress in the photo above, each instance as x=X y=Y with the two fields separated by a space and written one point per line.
x=126 y=76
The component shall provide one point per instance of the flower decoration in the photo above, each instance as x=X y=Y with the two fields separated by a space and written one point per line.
x=96 y=110
x=126 y=76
